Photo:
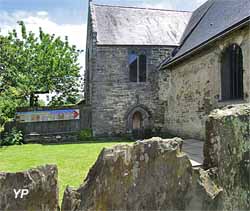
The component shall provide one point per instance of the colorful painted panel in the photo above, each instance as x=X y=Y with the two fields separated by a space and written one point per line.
x=48 y=115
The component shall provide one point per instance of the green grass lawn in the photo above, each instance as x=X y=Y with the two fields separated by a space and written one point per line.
x=73 y=160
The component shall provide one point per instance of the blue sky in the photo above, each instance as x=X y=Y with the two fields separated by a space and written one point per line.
x=68 y=17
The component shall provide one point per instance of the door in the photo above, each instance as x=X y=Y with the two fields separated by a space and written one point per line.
x=137 y=121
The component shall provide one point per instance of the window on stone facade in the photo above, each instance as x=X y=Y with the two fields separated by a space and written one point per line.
x=232 y=73
x=133 y=61
x=137 y=68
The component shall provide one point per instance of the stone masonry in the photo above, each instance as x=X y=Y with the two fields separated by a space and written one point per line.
x=114 y=96
x=227 y=148
x=42 y=186
x=192 y=89
x=108 y=90
x=152 y=174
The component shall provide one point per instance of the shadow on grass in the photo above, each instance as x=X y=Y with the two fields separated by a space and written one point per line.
x=118 y=140
x=105 y=140
x=122 y=141
x=90 y=142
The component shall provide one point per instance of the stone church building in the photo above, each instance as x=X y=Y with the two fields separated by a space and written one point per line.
x=165 y=70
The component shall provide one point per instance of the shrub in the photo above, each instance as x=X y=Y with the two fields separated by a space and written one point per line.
x=14 y=137
x=86 y=135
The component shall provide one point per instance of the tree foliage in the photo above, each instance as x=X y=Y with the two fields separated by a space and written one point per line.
x=31 y=64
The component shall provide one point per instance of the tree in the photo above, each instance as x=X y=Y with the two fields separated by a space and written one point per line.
x=31 y=64
x=10 y=99
x=40 y=64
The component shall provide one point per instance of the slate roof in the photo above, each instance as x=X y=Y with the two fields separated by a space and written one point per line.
x=118 y=25
x=209 y=21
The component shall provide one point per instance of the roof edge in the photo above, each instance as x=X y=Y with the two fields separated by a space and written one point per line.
x=204 y=44
x=127 y=45
x=92 y=16
x=146 y=8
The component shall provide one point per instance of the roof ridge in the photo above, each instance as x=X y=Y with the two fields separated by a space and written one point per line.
x=145 y=8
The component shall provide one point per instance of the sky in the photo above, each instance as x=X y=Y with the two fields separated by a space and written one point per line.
x=69 y=17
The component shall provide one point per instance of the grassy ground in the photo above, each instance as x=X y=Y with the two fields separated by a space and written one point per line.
x=73 y=160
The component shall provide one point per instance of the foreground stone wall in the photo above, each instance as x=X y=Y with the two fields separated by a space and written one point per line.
x=191 y=89
x=41 y=184
x=149 y=175
x=227 y=147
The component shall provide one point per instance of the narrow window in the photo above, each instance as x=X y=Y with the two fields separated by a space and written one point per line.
x=133 y=60
x=232 y=73
x=142 y=68
x=137 y=68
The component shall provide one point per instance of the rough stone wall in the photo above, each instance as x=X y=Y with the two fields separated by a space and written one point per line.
x=41 y=183
x=192 y=89
x=90 y=58
x=113 y=95
x=149 y=175
x=227 y=147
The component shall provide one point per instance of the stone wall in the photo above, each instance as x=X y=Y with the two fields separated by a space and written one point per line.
x=113 y=96
x=227 y=148
x=150 y=175
x=191 y=89
x=107 y=86
x=41 y=184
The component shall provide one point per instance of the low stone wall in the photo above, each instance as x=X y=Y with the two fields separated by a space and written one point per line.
x=149 y=175
x=227 y=148
x=35 y=189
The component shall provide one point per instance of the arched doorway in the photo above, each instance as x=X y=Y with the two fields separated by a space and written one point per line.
x=137 y=121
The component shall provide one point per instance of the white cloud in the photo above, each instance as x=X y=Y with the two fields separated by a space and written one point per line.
x=172 y=4
x=76 y=33
x=200 y=2
x=159 y=5
x=42 y=13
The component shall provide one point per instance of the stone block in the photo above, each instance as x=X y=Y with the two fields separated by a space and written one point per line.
x=152 y=174
x=227 y=148
x=36 y=189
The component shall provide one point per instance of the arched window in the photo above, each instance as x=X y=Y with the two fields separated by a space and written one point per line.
x=137 y=68
x=232 y=73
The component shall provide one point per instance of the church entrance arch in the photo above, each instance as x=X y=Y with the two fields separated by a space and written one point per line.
x=138 y=120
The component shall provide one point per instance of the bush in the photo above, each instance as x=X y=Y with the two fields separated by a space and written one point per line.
x=86 y=135
x=14 y=137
